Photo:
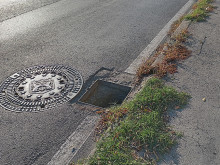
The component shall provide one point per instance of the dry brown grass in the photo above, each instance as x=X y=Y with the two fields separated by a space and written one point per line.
x=210 y=8
x=175 y=25
x=176 y=52
x=109 y=117
x=146 y=67
x=182 y=36
x=173 y=53
x=163 y=68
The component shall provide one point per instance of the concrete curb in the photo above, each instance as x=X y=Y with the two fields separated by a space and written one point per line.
x=158 y=40
x=13 y=8
x=75 y=141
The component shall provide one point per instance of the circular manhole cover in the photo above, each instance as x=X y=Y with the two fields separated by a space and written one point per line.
x=40 y=87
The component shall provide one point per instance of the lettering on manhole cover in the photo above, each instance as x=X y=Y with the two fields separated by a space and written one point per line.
x=40 y=87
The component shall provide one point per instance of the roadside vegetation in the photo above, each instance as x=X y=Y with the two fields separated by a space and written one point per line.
x=174 y=50
x=137 y=132
x=171 y=53
x=139 y=126
x=175 y=25
x=201 y=10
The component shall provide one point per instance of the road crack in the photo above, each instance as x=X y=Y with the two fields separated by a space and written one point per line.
x=202 y=43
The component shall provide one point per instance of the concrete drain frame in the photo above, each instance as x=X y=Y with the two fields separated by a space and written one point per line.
x=105 y=94
x=40 y=87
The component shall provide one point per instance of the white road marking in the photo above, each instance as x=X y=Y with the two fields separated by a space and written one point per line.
x=76 y=140
x=147 y=52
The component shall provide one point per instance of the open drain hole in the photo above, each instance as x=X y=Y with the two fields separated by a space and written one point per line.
x=105 y=94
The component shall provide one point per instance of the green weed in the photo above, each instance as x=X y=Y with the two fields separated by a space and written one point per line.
x=200 y=11
x=142 y=128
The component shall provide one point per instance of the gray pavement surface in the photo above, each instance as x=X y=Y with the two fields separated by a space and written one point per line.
x=28 y=138
x=13 y=8
x=200 y=77
x=83 y=34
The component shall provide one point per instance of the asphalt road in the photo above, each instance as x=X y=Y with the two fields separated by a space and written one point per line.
x=83 y=34
x=13 y=8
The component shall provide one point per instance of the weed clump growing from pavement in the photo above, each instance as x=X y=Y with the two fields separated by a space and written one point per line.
x=171 y=55
x=182 y=36
x=200 y=10
x=146 y=68
x=176 y=52
x=176 y=49
x=109 y=117
x=175 y=25
x=143 y=127
x=163 y=68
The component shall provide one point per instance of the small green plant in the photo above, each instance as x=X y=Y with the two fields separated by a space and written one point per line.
x=200 y=11
x=143 y=127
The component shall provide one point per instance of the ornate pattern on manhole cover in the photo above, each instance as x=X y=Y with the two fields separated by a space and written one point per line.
x=40 y=87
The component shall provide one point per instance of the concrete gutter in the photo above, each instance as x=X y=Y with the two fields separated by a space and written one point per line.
x=13 y=8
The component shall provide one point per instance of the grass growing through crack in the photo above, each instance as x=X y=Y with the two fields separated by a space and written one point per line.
x=142 y=127
x=172 y=54
x=176 y=50
x=182 y=36
x=175 y=25
x=200 y=10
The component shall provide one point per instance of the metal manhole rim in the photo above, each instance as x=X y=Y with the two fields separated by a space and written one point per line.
x=42 y=85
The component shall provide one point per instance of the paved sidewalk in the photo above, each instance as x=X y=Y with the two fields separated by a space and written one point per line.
x=200 y=77
x=13 y=8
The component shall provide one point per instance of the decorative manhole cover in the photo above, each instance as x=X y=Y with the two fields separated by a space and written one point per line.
x=40 y=87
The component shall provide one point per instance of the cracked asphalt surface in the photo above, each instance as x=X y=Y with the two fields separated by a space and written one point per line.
x=200 y=77
x=85 y=35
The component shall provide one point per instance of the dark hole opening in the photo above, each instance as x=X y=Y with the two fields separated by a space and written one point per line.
x=105 y=94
